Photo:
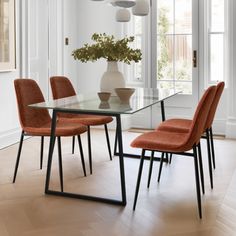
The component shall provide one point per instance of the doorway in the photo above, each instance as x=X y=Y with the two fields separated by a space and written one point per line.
x=171 y=57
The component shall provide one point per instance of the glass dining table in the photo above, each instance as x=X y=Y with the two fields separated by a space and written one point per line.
x=91 y=104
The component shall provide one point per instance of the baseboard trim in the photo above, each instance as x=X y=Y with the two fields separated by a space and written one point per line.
x=231 y=129
x=9 y=138
x=219 y=125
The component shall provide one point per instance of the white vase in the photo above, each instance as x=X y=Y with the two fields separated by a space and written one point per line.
x=112 y=78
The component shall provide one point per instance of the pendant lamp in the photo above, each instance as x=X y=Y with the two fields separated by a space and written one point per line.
x=141 y=8
x=124 y=3
x=123 y=15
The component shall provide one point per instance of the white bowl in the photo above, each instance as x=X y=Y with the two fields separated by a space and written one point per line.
x=124 y=94
x=104 y=96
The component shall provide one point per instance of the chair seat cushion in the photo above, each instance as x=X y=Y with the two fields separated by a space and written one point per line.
x=85 y=119
x=62 y=129
x=162 y=141
x=175 y=125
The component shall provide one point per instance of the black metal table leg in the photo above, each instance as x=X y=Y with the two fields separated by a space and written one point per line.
x=50 y=153
x=115 y=145
x=60 y=163
x=116 y=153
x=90 y=150
x=108 y=141
x=41 y=152
x=163 y=115
x=81 y=196
x=121 y=159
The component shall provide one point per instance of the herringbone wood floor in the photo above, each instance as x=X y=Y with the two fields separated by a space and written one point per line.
x=168 y=208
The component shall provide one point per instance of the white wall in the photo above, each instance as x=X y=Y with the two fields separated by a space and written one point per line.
x=81 y=19
x=89 y=17
x=9 y=116
x=219 y=124
x=77 y=20
x=8 y=111
x=231 y=98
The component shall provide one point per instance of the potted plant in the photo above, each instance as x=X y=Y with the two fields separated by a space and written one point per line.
x=107 y=47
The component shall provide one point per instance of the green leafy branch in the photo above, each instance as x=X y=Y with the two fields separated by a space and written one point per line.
x=107 y=47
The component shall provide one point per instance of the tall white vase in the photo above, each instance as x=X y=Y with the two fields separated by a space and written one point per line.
x=112 y=78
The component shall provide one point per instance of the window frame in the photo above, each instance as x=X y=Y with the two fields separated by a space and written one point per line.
x=129 y=70
x=207 y=43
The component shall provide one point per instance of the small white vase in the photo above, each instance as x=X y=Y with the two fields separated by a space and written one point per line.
x=112 y=78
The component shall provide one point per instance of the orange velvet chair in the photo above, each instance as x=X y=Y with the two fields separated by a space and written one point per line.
x=177 y=142
x=37 y=122
x=183 y=126
x=61 y=88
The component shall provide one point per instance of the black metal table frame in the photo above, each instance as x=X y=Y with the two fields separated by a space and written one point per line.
x=120 y=153
x=121 y=161
x=131 y=155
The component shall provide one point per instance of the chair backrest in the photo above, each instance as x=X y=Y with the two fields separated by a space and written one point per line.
x=200 y=116
x=61 y=87
x=28 y=92
x=219 y=90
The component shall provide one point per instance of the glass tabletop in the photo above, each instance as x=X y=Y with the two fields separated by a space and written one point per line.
x=141 y=99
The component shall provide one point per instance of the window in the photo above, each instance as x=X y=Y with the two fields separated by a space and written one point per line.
x=135 y=71
x=174 y=45
x=215 y=40
x=172 y=51
x=175 y=25
x=138 y=44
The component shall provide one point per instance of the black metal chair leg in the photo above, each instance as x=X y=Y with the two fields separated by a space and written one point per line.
x=81 y=154
x=212 y=148
x=41 y=152
x=209 y=157
x=150 y=169
x=108 y=141
x=167 y=157
x=200 y=167
x=170 y=158
x=197 y=182
x=160 y=167
x=60 y=163
x=138 y=179
x=73 y=145
x=89 y=151
x=18 y=155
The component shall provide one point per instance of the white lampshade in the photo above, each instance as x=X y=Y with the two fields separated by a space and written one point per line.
x=124 y=3
x=123 y=15
x=141 y=8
